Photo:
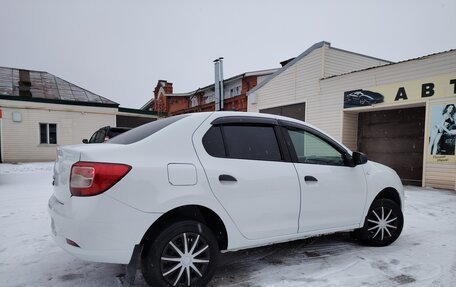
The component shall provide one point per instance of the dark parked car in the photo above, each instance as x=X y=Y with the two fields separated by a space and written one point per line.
x=105 y=133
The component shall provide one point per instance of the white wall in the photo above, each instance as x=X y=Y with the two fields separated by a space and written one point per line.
x=21 y=140
x=301 y=83
x=339 y=62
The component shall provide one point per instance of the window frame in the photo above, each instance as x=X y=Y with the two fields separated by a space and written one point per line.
x=48 y=132
x=285 y=126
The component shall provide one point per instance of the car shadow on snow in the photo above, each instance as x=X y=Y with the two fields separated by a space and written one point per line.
x=268 y=265
x=245 y=267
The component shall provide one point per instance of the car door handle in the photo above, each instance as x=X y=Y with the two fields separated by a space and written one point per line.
x=309 y=178
x=226 y=177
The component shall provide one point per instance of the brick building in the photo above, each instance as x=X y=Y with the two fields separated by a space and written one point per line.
x=167 y=103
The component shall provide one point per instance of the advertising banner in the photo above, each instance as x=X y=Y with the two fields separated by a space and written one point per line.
x=442 y=133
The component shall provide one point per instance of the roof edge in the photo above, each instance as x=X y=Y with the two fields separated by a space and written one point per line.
x=83 y=88
x=137 y=111
x=39 y=71
x=147 y=104
x=58 y=102
x=391 y=64
x=289 y=64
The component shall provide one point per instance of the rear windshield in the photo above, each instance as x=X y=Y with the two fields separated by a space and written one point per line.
x=144 y=131
x=117 y=131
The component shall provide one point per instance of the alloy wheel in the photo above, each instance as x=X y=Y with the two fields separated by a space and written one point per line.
x=382 y=223
x=185 y=259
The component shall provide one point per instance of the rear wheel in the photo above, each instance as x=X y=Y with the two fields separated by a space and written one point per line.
x=184 y=254
x=383 y=223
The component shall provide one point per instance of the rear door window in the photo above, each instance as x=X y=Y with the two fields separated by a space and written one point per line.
x=252 y=142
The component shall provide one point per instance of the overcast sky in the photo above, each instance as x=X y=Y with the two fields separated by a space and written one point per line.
x=120 y=49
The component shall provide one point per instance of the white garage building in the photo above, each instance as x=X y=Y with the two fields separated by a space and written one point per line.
x=399 y=114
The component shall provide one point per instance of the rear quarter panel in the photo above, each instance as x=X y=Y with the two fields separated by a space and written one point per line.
x=147 y=186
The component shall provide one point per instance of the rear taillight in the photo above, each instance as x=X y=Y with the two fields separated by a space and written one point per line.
x=92 y=178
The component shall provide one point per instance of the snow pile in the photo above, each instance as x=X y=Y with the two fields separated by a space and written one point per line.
x=424 y=255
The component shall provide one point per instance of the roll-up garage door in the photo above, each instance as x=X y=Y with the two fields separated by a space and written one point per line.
x=395 y=138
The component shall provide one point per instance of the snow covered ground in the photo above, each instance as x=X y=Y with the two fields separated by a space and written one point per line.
x=424 y=255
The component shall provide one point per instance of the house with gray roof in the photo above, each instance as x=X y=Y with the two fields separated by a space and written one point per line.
x=40 y=111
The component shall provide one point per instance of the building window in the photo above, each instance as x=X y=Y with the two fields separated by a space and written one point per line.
x=194 y=101
x=209 y=99
x=48 y=133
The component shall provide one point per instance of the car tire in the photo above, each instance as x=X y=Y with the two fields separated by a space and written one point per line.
x=383 y=223
x=183 y=254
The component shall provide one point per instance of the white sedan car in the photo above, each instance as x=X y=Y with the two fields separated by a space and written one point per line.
x=173 y=193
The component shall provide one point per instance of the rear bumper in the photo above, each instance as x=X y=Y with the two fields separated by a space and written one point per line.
x=105 y=229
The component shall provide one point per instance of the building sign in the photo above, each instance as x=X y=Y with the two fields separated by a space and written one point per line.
x=359 y=98
x=442 y=133
x=411 y=92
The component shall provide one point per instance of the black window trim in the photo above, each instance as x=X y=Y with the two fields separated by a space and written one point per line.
x=348 y=161
x=244 y=120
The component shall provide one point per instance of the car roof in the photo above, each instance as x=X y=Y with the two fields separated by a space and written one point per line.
x=220 y=114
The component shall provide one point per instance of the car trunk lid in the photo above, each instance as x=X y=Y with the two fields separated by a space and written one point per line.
x=66 y=157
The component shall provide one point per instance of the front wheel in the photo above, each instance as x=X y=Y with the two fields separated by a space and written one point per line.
x=184 y=254
x=383 y=223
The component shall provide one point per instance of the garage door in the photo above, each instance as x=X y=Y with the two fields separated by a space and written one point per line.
x=395 y=138
x=296 y=111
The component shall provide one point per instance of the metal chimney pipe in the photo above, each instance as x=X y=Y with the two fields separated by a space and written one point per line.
x=222 y=95
x=218 y=83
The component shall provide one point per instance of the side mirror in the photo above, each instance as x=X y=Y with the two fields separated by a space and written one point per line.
x=359 y=158
x=85 y=141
